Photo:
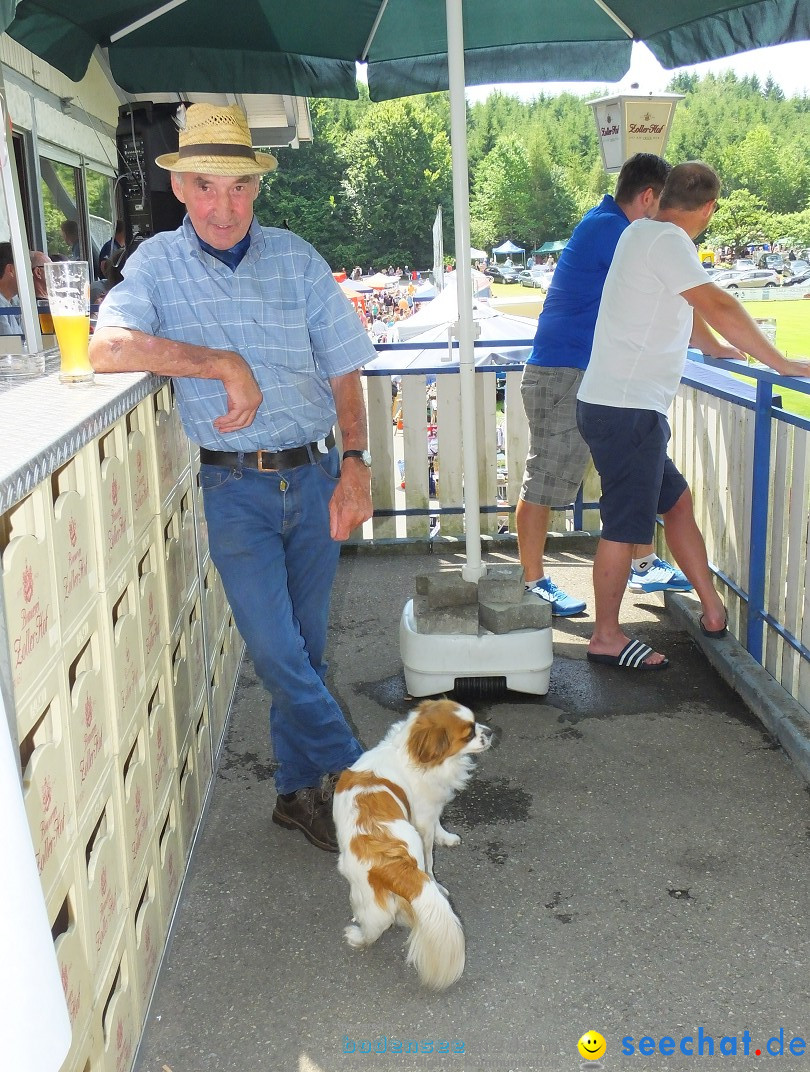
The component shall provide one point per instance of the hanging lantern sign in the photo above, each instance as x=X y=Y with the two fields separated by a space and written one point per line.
x=628 y=124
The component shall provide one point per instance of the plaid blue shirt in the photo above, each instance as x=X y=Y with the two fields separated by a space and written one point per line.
x=281 y=310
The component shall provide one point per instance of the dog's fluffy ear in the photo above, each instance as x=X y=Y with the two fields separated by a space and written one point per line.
x=428 y=743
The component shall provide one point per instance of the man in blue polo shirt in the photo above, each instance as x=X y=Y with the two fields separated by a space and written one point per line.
x=558 y=456
x=265 y=351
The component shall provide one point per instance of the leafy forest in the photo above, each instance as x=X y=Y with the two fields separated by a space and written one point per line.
x=365 y=191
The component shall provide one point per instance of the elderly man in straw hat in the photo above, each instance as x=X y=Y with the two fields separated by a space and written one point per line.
x=265 y=352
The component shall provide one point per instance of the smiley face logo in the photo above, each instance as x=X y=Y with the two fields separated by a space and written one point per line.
x=592 y=1046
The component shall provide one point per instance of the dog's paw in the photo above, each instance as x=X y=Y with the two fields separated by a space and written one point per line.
x=446 y=839
x=354 y=936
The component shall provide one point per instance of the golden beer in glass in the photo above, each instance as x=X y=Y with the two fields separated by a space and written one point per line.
x=68 y=284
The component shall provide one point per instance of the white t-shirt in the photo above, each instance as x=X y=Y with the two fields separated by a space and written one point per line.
x=644 y=325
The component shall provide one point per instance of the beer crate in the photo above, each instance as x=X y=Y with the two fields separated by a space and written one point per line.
x=149 y=930
x=134 y=789
x=189 y=794
x=116 y=1022
x=89 y=715
x=180 y=684
x=199 y=513
x=174 y=570
x=151 y=596
x=188 y=539
x=160 y=734
x=171 y=858
x=66 y=915
x=215 y=605
x=216 y=690
x=29 y=590
x=202 y=745
x=108 y=476
x=47 y=786
x=123 y=649
x=193 y=624
x=85 y=1054
x=171 y=453
x=74 y=544
x=104 y=890
x=236 y=646
x=140 y=460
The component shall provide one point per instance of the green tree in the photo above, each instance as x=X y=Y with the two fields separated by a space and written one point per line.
x=740 y=219
x=397 y=170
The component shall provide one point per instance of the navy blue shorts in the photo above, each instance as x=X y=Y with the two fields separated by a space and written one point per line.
x=629 y=450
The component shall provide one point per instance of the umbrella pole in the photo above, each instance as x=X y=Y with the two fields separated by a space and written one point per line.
x=473 y=569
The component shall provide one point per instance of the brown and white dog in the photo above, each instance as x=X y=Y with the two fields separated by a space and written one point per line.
x=387 y=810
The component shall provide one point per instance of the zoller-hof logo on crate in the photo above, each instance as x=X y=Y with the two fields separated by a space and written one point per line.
x=114 y=492
x=72 y=531
x=28 y=583
x=47 y=794
x=88 y=711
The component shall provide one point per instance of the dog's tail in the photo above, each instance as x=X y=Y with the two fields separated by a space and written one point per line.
x=436 y=944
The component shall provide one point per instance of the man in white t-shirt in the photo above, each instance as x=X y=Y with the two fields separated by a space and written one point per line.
x=656 y=301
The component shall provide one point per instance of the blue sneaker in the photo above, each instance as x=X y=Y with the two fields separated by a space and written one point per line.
x=660 y=577
x=562 y=605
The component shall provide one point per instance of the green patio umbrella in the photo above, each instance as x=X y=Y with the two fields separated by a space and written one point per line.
x=309 y=48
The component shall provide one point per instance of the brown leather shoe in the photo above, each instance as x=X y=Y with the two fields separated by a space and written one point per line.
x=310 y=811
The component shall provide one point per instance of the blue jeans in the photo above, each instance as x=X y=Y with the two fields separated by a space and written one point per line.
x=269 y=539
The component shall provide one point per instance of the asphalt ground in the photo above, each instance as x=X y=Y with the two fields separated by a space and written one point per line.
x=635 y=860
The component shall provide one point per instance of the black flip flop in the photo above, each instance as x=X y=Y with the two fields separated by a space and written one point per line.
x=631 y=657
x=713 y=634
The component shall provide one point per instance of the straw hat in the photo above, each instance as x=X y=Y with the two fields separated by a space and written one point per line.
x=215 y=141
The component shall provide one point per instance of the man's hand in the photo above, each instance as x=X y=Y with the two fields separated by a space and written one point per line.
x=244 y=397
x=124 y=350
x=726 y=353
x=350 y=504
x=794 y=368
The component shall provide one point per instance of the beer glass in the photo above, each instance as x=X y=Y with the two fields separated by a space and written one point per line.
x=68 y=284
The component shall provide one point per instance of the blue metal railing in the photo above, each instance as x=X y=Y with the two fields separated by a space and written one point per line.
x=766 y=407
x=765 y=411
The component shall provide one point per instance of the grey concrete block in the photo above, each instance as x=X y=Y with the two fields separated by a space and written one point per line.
x=446 y=589
x=530 y=613
x=453 y=620
x=502 y=584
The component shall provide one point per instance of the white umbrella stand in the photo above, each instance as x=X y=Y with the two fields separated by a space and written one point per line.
x=434 y=662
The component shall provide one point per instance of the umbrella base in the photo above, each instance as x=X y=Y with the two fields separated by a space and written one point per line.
x=437 y=662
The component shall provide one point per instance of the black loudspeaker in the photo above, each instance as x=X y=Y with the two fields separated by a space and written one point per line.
x=145 y=131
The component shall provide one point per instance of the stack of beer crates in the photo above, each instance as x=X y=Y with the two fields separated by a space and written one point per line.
x=123 y=657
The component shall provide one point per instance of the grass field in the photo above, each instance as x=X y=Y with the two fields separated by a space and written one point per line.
x=792 y=332
x=792 y=336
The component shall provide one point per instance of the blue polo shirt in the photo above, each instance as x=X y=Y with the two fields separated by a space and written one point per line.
x=566 y=325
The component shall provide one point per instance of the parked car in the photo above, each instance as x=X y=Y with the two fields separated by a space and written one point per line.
x=748 y=278
x=539 y=278
x=797 y=267
x=501 y=273
x=742 y=264
x=774 y=261
x=801 y=277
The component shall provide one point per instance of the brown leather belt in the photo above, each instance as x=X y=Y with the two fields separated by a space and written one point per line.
x=266 y=461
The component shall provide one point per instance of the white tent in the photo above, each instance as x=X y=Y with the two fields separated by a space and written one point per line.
x=478 y=254
x=508 y=340
x=444 y=307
